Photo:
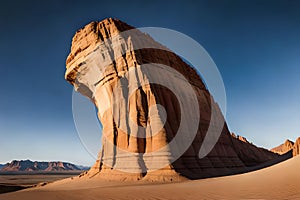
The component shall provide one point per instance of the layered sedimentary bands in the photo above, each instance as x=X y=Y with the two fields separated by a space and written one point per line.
x=288 y=146
x=106 y=61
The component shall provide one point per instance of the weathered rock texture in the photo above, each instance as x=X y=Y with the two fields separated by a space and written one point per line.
x=296 y=147
x=288 y=147
x=229 y=155
x=283 y=148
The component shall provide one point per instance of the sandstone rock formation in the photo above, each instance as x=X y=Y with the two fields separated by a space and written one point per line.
x=283 y=148
x=288 y=146
x=296 y=147
x=104 y=63
x=28 y=165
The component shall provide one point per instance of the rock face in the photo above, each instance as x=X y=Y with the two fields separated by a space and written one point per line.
x=283 y=148
x=288 y=146
x=296 y=147
x=28 y=165
x=239 y=137
x=106 y=61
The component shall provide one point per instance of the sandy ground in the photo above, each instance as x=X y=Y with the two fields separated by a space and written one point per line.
x=281 y=181
x=12 y=181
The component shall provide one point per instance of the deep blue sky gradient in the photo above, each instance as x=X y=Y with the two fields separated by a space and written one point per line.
x=255 y=45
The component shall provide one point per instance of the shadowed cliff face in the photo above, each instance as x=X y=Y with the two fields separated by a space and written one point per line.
x=154 y=108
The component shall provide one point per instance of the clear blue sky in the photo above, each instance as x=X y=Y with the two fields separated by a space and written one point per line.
x=255 y=44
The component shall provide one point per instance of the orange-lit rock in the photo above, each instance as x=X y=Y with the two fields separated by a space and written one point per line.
x=99 y=60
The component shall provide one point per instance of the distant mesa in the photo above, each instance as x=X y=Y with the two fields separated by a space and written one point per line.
x=288 y=147
x=81 y=167
x=99 y=60
x=36 y=166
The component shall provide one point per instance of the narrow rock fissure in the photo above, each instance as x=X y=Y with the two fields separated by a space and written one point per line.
x=115 y=144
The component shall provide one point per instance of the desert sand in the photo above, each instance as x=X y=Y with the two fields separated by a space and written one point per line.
x=279 y=181
x=13 y=181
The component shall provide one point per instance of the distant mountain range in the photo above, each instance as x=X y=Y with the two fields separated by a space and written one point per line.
x=28 y=165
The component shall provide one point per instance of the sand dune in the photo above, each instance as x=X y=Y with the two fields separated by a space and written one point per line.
x=281 y=181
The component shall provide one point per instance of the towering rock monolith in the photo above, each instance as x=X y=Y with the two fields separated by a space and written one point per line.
x=145 y=95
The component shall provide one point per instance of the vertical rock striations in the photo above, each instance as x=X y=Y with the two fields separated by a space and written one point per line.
x=296 y=147
x=106 y=61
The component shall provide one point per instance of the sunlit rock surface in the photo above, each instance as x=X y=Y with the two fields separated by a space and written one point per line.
x=145 y=96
